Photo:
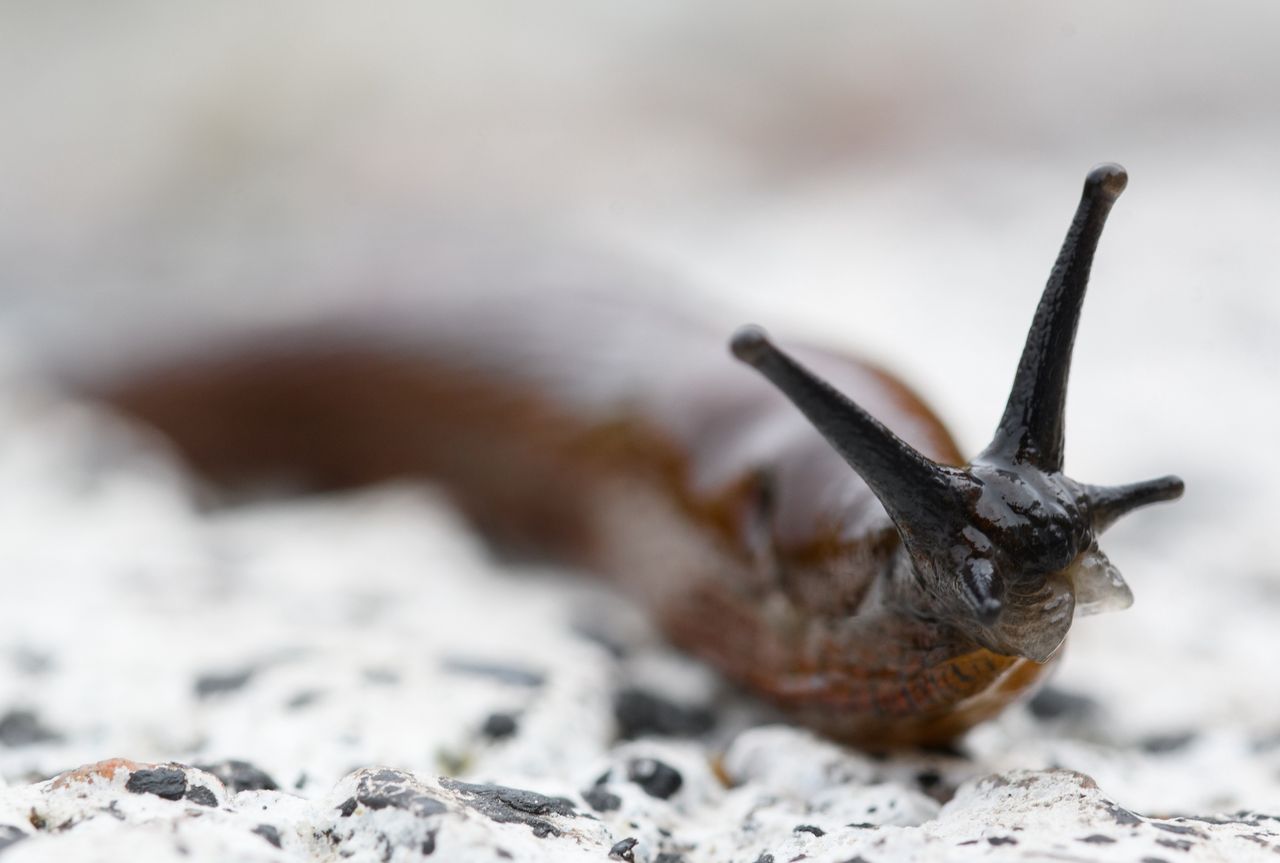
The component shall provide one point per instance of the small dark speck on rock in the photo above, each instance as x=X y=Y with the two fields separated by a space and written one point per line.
x=240 y=776
x=928 y=778
x=1002 y=840
x=305 y=698
x=10 y=835
x=346 y=807
x=271 y=834
x=1154 y=860
x=640 y=713
x=200 y=795
x=668 y=857
x=499 y=726
x=1054 y=703
x=624 y=849
x=1160 y=744
x=1097 y=839
x=509 y=674
x=167 y=782
x=808 y=828
x=1175 y=844
x=218 y=683
x=23 y=728
x=601 y=800
x=657 y=778
x=765 y=858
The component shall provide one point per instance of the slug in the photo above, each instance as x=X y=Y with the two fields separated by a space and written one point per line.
x=811 y=530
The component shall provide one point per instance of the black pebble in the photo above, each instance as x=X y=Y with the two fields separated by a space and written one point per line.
x=601 y=799
x=657 y=778
x=218 y=682
x=240 y=776
x=346 y=807
x=623 y=850
x=499 y=726
x=808 y=828
x=23 y=728
x=513 y=805
x=166 y=782
x=201 y=795
x=271 y=834
x=764 y=858
x=640 y=713
x=1097 y=839
x=1002 y=840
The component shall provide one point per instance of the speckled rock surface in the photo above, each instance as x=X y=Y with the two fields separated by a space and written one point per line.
x=354 y=677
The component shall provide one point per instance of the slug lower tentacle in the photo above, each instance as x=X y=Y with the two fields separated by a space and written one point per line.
x=841 y=560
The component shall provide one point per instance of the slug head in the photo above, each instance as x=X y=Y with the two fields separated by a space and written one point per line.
x=1005 y=548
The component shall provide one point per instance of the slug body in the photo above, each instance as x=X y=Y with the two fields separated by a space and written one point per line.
x=855 y=571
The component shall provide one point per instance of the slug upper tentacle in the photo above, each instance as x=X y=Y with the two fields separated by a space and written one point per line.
x=1005 y=546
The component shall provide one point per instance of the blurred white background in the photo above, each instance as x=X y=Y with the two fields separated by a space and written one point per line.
x=891 y=177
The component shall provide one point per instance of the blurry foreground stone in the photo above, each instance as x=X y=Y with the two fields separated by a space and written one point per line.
x=118 y=809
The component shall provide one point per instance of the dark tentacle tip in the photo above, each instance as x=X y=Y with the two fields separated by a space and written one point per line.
x=751 y=345
x=1170 y=488
x=1109 y=503
x=1107 y=180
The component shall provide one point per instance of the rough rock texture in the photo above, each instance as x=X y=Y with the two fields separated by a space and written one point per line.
x=352 y=677
x=260 y=663
x=114 y=809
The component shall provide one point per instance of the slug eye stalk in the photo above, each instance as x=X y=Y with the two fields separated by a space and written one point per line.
x=1021 y=520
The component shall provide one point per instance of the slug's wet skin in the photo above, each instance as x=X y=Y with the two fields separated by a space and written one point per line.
x=846 y=566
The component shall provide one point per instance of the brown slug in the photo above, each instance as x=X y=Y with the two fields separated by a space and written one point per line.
x=842 y=561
